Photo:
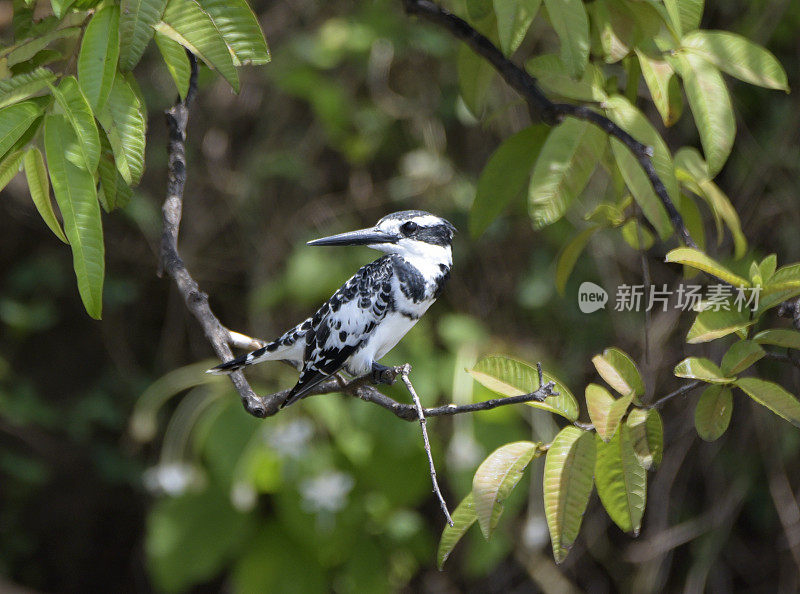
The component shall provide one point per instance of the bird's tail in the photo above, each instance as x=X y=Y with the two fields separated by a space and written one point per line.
x=234 y=364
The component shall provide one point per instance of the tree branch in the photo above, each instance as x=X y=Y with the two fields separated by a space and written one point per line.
x=685 y=389
x=550 y=112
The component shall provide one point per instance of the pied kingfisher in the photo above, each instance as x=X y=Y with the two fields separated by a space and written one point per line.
x=373 y=310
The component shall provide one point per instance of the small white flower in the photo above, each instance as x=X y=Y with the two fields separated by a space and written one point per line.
x=326 y=492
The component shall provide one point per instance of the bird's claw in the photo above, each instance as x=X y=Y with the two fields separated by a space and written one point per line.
x=381 y=374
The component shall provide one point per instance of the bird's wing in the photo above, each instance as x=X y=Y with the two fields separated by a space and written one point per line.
x=344 y=323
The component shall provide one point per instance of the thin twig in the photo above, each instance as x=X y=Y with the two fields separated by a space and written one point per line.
x=685 y=389
x=423 y=426
x=550 y=112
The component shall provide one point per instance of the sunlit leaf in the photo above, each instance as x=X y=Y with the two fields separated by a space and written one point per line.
x=23 y=86
x=510 y=377
x=475 y=76
x=567 y=484
x=773 y=396
x=781 y=337
x=621 y=481
x=75 y=192
x=702 y=369
x=605 y=412
x=136 y=21
x=513 y=19
x=9 y=167
x=39 y=186
x=27 y=50
x=177 y=62
x=647 y=436
x=552 y=75
x=79 y=113
x=15 y=121
x=710 y=325
x=685 y=14
x=565 y=164
x=571 y=24
x=659 y=77
x=569 y=256
x=123 y=119
x=701 y=261
x=504 y=176
x=495 y=479
x=619 y=371
x=464 y=516
x=713 y=412
x=239 y=28
x=740 y=356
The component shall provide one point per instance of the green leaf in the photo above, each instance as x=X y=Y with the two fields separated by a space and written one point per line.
x=660 y=80
x=9 y=168
x=61 y=6
x=738 y=56
x=569 y=256
x=239 y=28
x=740 y=356
x=773 y=396
x=711 y=106
x=781 y=337
x=463 y=517
x=23 y=86
x=187 y=23
x=496 y=477
x=15 y=121
x=605 y=412
x=510 y=377
x=123 y=120
x=565 y=164
x=710 y=325
x=513 y=19
x=97 y=61
x=79 y=114
x=767 y=267
x=475 y=75
x=552 y=75
x=39 y=186
x=702 y=369
x=26 y=51
x=177 y=62
x=685 y=14
x=478 y=9
x=697 y=259
x=637 y=235
x=136 y=22
x=76 y=195
x=647 y=436
x=621 y=481
x=504 y=176
x=571 y=24
x=107 y=168
x=713 y=413
x=619 y=371
x=567 y=485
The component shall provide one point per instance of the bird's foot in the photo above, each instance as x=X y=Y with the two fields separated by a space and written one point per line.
x=381 y=374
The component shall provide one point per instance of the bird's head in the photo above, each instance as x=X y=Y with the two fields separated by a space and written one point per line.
x=410 y=233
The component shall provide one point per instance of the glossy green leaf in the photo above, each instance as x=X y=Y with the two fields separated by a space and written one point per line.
x=187 y=23
x=22 y=86
x=711 y=106
x=75 y=192
x=464 y=516
x=552 y=75
x=567 y=485
x=569 y=256
x=740 y=356
x=10 y=167
x=710 y=325
x=781 y=337
x=571 y=24
x=177 y=62
x=510 y=377
x=475 y=76
x=97 y=61
x=773 y=396
x=604 y=411
x=513 y=19
x=39 y=186
x=768 y=266
x=239 y=28
x=619 y=371
x=136 y=22
x=647 y=436
x=496 y=477
x=505 y=175
x=685 y=14
x=713 y=413
x=15 y=121
x=27 y=50
x=659 y=77
x=697 y=259
x=107 y=168
x=637 y=235
x=621 y=481
x=738 y=56
x=123 y=119
x=566 y=162
x=614 y=44
x=79 y=113
x=702 y=369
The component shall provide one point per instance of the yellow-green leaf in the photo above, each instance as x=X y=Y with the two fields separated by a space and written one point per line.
x=567 y=484
x=619 y=371
x=621 y=481
x=710 y=325
x=773 y=396
x=177 y=62
x=781 y=337
x=495 y=479
x=39 y=186
x=552 y=75
x=604 y=411
x=713 y=413
x=701 y=261
x=684 y=14
x=123 y=119
x=702 y=369
x=464 y=516
x=15 y=121
x=240 y=30
x=24 y=85
x=647 y=436
x=740 y=356
x=569 y=256
x=136 y=22
x=571 y=24
x=76 y=195
x=97 y=61
x=9 y=168
x=659 y=77
x=79 y=113
x=513 y=19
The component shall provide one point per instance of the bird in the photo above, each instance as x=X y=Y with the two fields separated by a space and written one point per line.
x=369 y=314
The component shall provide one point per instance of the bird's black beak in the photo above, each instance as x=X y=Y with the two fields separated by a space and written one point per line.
x=360 y=237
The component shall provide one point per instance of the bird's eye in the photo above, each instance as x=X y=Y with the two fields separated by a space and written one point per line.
x=408 y=228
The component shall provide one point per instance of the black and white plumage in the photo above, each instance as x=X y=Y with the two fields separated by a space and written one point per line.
x=373 y=310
